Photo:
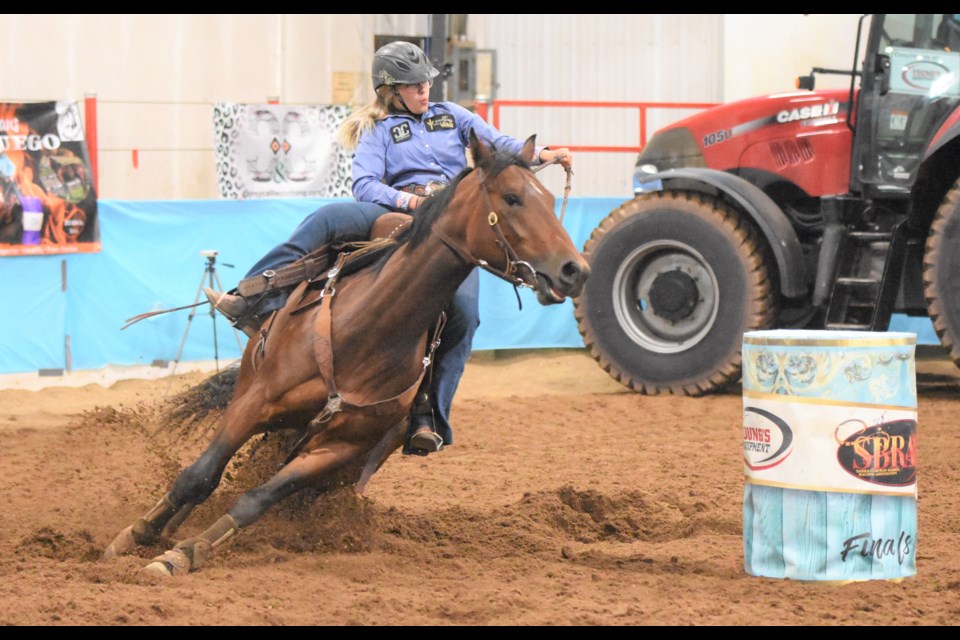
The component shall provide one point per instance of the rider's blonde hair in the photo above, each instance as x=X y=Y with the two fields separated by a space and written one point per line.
x=362 y=120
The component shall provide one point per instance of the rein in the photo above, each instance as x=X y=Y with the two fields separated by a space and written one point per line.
x=566 y=187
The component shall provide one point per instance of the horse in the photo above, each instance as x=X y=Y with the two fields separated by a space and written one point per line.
x=379 y=326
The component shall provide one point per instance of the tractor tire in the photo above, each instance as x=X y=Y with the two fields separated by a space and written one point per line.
x=676 y=279
x=941 y=265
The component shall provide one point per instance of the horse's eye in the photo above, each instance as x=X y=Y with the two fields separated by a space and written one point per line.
x=511 y=200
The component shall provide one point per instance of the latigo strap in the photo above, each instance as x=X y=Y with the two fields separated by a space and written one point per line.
x=313 y=265
x=307 y=268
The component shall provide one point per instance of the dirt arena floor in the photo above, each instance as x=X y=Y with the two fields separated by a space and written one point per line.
x=567 y=500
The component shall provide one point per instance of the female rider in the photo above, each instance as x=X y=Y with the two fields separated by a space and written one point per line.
x=406 y=149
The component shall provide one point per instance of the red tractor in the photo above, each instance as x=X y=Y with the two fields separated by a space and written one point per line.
x=829 y=209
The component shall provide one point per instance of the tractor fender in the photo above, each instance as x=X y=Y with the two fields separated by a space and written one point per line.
x=948 y=131
x=771 y=220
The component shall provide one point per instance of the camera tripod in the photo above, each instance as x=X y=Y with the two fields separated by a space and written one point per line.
x=212 y=280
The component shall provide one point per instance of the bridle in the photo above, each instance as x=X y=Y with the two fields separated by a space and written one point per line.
x=519 y=273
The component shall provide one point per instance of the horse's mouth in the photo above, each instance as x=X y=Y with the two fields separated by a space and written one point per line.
x=546 y=294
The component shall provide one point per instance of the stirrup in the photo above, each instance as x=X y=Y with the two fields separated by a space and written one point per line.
x=249 y=326
x=425 y=438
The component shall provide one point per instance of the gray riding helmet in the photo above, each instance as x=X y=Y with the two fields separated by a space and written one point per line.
x=401 y=62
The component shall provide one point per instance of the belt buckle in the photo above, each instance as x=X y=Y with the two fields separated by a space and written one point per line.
x=434 y=187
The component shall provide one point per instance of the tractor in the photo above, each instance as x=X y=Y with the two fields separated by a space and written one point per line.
x=812 y=209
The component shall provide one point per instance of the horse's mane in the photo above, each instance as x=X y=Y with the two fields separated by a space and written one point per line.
x=432 y=207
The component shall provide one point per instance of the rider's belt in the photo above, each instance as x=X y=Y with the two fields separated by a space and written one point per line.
x=424 y=190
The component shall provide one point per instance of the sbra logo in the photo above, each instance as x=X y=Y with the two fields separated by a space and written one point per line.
x=821 y=110
x=884 y=454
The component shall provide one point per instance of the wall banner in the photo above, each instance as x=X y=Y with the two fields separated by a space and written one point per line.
x=276 y=151
x=48 y=203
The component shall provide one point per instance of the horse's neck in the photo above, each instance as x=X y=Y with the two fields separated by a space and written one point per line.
x=409 y=292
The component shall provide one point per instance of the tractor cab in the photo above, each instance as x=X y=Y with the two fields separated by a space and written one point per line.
x=910 y=89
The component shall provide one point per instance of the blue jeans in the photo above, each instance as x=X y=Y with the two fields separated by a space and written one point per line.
x=351 y=221
x=456 y=341
x=336 y=222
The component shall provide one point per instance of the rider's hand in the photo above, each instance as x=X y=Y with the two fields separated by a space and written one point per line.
x=563 y=155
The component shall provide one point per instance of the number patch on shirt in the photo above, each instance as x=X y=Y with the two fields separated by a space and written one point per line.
x=401 y=132
x=444 y=121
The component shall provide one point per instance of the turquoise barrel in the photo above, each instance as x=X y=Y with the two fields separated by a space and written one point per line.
x=830 y=455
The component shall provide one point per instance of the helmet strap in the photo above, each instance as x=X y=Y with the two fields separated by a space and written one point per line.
x=404 y=104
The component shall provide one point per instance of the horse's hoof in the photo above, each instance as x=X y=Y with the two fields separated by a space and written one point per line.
x=172 y=563
x=121 y=545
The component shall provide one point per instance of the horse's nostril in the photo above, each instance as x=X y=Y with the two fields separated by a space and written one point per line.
x=571 y=272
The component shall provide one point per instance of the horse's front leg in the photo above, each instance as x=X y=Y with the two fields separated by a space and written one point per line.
x=192 y=487
x=305 y=470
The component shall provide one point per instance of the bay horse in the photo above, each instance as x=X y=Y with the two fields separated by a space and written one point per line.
x=375 y=326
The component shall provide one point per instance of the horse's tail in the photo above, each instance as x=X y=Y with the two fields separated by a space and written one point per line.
x=209 y=396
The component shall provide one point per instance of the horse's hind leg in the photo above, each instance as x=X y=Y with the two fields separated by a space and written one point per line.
x=302 y=471
x=390 y=442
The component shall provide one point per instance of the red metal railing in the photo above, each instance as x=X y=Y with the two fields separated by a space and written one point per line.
x=484 y=109
x=90 y=126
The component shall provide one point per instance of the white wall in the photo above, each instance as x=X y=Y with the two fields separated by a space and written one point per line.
x=764 y=53
x=587 y=57
x=156 y=77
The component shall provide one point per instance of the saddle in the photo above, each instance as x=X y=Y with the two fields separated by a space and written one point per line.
x=318 y=262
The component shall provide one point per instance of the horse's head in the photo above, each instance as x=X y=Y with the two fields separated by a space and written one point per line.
x=514 y=229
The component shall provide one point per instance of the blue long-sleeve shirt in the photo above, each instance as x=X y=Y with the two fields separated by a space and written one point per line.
x=401 y=150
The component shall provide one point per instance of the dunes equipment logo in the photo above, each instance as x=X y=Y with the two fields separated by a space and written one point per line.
x=924 y=74
x=767 y=439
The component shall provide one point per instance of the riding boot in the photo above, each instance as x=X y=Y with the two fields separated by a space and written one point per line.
x=422 y=439
x=236 y=310
x=229 y=305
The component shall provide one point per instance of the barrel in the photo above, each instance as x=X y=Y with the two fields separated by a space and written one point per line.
x=830 y=455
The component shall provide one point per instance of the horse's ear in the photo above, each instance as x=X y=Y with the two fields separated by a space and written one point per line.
x=526 y=153
x=480 y=152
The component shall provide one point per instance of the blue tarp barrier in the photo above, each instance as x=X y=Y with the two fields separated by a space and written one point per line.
x=151 y=260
